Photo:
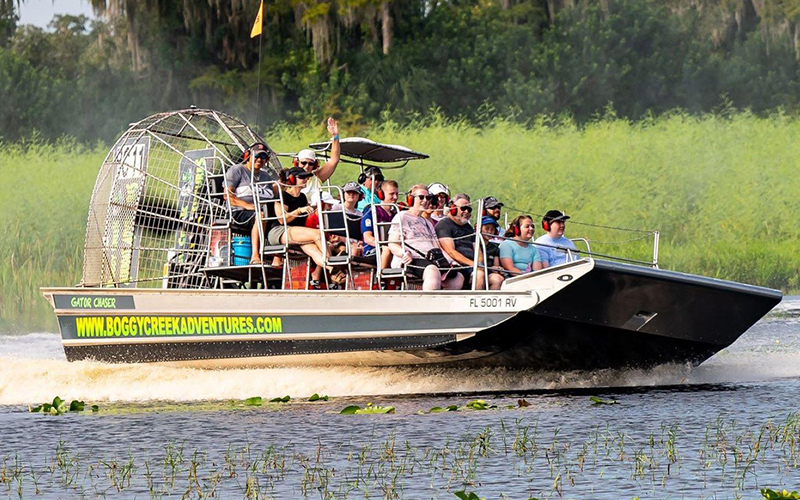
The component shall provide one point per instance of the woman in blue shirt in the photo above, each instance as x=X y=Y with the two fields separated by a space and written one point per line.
x=518 y=255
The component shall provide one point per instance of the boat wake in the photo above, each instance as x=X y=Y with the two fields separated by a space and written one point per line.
x=33 y=369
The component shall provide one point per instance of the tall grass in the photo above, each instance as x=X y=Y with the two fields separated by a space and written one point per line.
x=722 y=190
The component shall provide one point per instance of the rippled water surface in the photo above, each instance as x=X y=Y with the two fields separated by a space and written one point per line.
x=722 y=430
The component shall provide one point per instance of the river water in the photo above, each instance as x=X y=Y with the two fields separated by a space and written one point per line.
x=724 y=429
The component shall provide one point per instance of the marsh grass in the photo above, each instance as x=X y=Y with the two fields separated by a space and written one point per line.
x=722 y=190
x=516 y=456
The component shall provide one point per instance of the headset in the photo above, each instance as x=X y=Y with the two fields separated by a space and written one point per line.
x=453 y=209
x=409 y=199
x=375 y=172
x=546 y=223
x=516 y=229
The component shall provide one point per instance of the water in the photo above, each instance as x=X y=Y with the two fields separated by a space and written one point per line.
x=722 y=430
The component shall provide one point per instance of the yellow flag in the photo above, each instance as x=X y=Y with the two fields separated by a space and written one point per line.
x=259 y=24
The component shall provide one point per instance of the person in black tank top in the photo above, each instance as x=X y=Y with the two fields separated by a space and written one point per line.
x=295 y=209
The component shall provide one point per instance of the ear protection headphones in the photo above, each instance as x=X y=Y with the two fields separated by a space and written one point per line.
x=453 y=208
x=517 y=230
x=409 y=199
x=373 y=172
x=546 y=225
x=379 y=194
x=291 y=180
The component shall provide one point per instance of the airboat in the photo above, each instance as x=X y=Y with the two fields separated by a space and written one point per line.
x=162 y=282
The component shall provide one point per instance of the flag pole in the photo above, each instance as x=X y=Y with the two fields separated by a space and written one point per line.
x=258 y=85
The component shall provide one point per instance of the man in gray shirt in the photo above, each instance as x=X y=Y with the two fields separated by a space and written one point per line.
x=240 y=181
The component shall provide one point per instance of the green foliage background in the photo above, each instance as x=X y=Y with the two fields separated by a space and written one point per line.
x=721 y=188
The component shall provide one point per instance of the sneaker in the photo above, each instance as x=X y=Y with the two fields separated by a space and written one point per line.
x=313 y=285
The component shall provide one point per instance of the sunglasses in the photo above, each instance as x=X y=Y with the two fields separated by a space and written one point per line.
x=467 y=209
x=261 y=156
x=428 y=197
x=306 y=163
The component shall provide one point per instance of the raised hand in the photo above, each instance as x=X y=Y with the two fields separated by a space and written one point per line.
x=333 y=127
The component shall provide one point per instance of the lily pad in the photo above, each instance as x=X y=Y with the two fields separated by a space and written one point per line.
x=284 y=399
x=254 y=401
x=597 y=401
x=479 y=404
x=439 y=409
x=370 y=409
x=317 y=397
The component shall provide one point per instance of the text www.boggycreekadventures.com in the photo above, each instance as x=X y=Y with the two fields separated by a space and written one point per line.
x=133 y=326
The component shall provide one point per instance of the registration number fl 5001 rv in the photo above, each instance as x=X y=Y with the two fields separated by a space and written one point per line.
x=492 y=302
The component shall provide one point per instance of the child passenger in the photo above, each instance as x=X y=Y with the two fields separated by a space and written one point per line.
x=518 y=255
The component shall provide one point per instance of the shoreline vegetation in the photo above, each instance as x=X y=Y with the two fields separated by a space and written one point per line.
x=722 y=189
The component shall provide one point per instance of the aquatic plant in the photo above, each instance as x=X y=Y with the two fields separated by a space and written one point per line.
x=597 y=401
x=779 y=495
x=284 y=399
x=369 y=409
x=60 y=407
x=317 y=397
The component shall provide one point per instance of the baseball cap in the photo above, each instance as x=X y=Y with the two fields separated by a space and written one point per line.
x=327 y=198
x=554 y=215
x=351 y=186
x=299 y=173
x=490 y=221
x=258 y=147
x=491 y=202
x=307 y=154
x=437 y=188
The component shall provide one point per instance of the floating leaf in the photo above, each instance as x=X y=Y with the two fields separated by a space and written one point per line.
x=479 y=404
x=463 y=495
x=254 y=401
x=317 y=397
x=284 y=399
x=597 y=401
x=439 y=409
x=367 y=410
x=95 y=408
x=76 y=405
x=779 y=495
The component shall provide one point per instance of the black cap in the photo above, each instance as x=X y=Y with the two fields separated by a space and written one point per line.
x=491 y=202
x=299 y=173
x=258 y=147
x=555 y=215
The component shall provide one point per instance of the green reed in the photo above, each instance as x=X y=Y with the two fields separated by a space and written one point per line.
x=543 y=464
x=721 y=189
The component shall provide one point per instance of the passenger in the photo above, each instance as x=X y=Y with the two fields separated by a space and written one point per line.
x=370 y=178
x=351 y=193
x=238 y=190
x=492 y=208
x=489 y=230
x=419 y=233
x=296 y=210
x=457 y=238
x=384 y=213
x=554 y=222
x=519 y=255
x=442 y=200
x=307 y=160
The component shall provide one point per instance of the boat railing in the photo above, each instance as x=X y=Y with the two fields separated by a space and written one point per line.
x=263 y=216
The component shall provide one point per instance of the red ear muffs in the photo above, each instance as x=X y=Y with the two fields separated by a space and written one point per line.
x=246 y=155
x=295 y=162
x=409 y=199
x=380 y=195
x=546 y=225
x=453 y=209
x=517 y=230
x=291 y=180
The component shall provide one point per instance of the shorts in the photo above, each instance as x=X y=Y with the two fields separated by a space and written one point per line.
x=275 y=234
x=417 y=267
x=244 y=218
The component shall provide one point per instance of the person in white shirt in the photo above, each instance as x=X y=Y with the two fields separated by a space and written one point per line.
x=442 y=194
x=554 y=223
x=307 y=160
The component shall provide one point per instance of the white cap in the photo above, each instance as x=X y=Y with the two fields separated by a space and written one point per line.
x=437 y=188
x=307 y=154
x=326 y=198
